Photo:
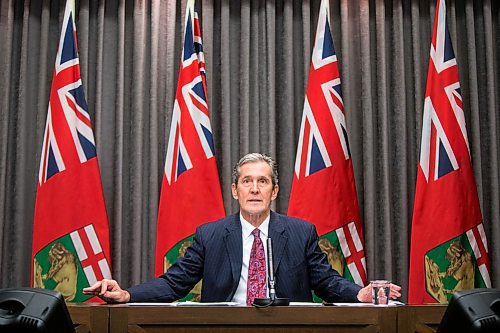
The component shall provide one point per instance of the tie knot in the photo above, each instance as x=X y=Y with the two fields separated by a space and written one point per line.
x=256 y=232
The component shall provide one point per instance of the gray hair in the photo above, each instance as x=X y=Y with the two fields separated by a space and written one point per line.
x=255 y=157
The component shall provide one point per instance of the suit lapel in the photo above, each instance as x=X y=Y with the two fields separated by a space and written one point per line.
x=278 y=236
x=234 y=248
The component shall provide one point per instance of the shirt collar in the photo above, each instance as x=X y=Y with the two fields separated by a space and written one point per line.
x=247 y=228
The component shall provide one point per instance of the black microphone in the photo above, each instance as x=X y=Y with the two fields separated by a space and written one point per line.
x=272 y=300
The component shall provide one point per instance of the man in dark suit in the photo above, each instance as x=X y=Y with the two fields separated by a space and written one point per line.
x=221 y=253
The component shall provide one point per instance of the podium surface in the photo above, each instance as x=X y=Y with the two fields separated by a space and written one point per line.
x=89 y=318
x=245 y=319
x=122 y=318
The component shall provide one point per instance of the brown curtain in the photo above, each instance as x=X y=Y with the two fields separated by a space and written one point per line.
x=257 y=57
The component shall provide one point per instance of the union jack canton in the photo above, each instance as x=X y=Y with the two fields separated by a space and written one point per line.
x=68 y=138
x=190 y=106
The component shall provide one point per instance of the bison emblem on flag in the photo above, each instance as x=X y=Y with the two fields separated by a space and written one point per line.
x=70 y=263
x=457 y=264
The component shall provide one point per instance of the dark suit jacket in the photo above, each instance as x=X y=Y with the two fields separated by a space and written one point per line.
x=216 y=255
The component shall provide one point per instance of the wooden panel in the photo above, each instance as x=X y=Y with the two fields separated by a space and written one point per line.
x=420 y=318
x=142 y=319
x=147 y=319
x=89 y=318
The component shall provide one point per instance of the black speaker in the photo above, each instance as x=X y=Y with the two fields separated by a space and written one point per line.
x=473 y=310
x=33 y=310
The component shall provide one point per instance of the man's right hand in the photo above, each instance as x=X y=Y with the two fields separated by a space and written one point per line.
x=109 y=291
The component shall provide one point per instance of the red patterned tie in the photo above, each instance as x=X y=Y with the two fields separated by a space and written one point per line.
x=256 y=284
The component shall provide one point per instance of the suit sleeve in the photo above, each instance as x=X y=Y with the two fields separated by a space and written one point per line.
x=179 y=279
x=325 y=281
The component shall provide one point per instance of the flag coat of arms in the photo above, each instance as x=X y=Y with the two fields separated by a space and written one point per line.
x=70 y=231
x=191 y=193
x=448 y=244
x=323 y=189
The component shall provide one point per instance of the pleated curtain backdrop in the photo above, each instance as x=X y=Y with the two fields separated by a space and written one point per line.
x=257 y=58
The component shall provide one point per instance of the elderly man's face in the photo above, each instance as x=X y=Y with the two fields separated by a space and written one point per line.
x=255 y=190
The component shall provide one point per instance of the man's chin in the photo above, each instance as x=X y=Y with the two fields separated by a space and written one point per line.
x=257 y=212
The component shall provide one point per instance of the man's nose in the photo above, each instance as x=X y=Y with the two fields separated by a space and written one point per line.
x=255 y=186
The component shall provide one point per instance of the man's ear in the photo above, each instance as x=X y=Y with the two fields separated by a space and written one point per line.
x=234 y=191
x=274 y=194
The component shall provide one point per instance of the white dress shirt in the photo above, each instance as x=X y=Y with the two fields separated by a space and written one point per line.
x=240 y=296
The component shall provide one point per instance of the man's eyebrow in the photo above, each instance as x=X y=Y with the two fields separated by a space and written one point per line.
x=257 y=177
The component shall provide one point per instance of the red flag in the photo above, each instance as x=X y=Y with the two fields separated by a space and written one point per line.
x=70 y=232
x=323 y=189
x=191 y=193
x=448 y=244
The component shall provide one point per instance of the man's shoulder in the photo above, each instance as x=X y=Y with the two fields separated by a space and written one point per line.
x=220 y=223
x=232 y=221
x=290 y=221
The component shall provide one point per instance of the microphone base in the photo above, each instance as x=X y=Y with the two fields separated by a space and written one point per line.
x=264 y=302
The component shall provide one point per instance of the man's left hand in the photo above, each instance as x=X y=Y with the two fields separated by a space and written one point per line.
x=365 y=294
